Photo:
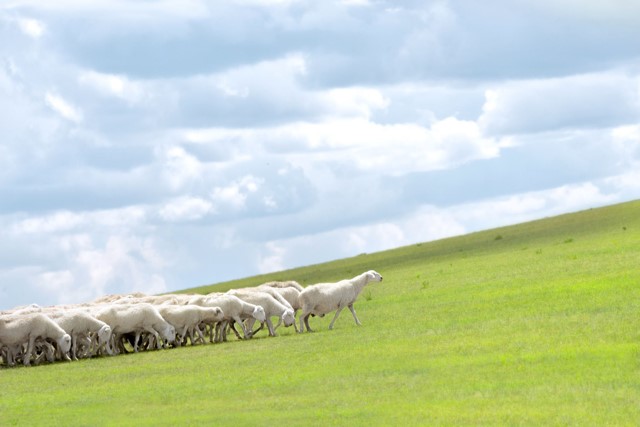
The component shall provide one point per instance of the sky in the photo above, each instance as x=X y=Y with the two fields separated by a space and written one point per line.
x=158 y=145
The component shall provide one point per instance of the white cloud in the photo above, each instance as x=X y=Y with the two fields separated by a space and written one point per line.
x=357 y=101
x=67 y=221
x=126 y=263
x=62 y=107
x=179 y=168
x=235 y=194
x=365 y=145
x=273 y=260
x=59 y=221
x=317 y=130
x=185 y=209
x=32 y=27
x=113 y=85
x=528 y=206
x=612 y=12
x=583 y=101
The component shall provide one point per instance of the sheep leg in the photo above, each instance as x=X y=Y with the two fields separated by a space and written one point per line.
x=135 y=342
x=184 y=336
x=306 y=323
x=272 y=331
x=74 y=347
x=223 y=331
x=335 y=317
x=156 y=335
x=189 y=330
x=295 y=325
x=26 y=359
x=249 y=326
x=244 y=329
x=301 y=329
x=353 y=311
x=218 y=334
x=232 y=325
x=200 y=334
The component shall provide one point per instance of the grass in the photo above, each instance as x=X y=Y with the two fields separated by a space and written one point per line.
x=537 y=327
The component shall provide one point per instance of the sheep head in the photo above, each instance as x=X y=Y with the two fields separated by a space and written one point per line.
x=104 y=334
x=169 y=334
x=373 y=276
x=258 y=314
x=64 y=344
x=288 y=318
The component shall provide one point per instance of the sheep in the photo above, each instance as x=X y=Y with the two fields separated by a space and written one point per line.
x=187 y=318
x=272 y=307
x=16 y=330
x=83 y=326
x=136 y=318
x=234 y=309
x=107 y=299
x=284 y=285
x=289 y=290
x=324 y=298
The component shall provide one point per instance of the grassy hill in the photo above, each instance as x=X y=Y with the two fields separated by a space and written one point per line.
x=534 y=324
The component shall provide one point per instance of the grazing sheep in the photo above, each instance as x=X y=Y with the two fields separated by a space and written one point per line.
x=135 y=319
x=187 y=318
x=289 y=290
x=272 y=307
x=324 y=298
x=234 y=309
x=17 y=330
x=81 y=325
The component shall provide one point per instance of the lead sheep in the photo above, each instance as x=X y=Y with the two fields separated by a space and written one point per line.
x=17 y=330
x=324 y=298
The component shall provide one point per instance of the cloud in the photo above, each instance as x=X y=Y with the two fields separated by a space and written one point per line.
x=62 y=107
x=32 y=27
x=583 y=101
x=185 y=209
x=181 y=143
x=113 y=85
x=235 y=194
x=368 y=146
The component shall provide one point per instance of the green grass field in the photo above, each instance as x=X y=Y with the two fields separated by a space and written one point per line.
x=532 y=324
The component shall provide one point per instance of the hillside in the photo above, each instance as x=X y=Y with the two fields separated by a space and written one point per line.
x=533 y=324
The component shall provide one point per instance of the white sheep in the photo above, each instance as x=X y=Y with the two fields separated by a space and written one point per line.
x=289 y=290
x=234 y=309
x=283 y=285
x=82 y=326
x=17 y=330
x=187 y=318
x=271 y=304
x=135 y=318
x=324 y=298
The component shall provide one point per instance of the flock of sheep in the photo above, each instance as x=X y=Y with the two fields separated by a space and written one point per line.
x=118 y=324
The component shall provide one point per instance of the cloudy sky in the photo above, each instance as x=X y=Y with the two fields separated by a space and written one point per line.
x=155 y=145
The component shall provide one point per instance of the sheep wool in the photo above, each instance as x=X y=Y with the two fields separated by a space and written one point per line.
x=323 y=298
